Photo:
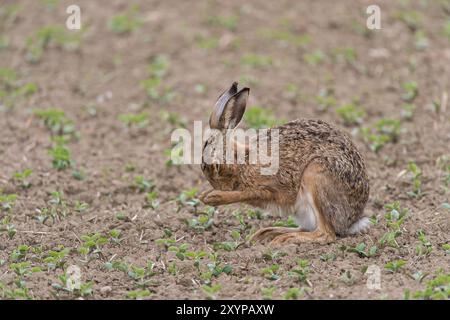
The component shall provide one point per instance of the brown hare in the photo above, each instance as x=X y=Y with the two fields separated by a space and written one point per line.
x=321 y=179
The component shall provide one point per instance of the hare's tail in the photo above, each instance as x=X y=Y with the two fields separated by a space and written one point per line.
x=360 y=226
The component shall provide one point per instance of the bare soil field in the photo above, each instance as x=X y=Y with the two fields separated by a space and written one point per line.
x=88 y=188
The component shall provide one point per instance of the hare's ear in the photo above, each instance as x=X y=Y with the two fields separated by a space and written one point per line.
x=230 y=108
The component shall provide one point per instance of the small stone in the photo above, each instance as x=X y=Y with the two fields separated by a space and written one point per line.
x=105 y=290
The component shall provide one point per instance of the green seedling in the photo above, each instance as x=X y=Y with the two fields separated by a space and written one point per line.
x=174 y=119
x=196 y=256
x=419 y=276
x=81 y=206
x=446 y=248
x=188 y=198
x=436 y=289
x=180 y=251
x=61 y=157
x=446 y=30
x=157 y=69
x=151 y=200
x=82 y=289
x=407 y=111
x=211 y=290
x=271 y=255
x=207 y=43
x=360 y=249
x=302 y=270
x=56 y=258
x=416 y=175
x=19 y=253
x=267 y=293
x=140 y=120
x=412 y=19
x=271 y=272
x=395 y=217
x=204 y=221
x=22 y=178
x=295 y=293
x=7 y=201
x=142 y=184
x=425 y=247
x=351 y=114
x=92 y=243
x=9 y=14
x=126 y=22
x=256 y=61
x=314 y=58
x=257 y=118
x=12 y=89
x=421 y=40
x=325 y=99
x=346 y=54
x=56 y=121
x=138 y=294
x=394 y=266
x=411 y=90
x=286 y=37
x=7 y=227
x=288 y=223
x=228 y=22
x=53 y=35
x=115 y=236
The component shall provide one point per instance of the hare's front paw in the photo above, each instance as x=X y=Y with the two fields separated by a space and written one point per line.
x=213 y=197
x=203 y=195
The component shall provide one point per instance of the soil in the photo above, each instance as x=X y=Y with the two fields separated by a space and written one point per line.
x=101 y=80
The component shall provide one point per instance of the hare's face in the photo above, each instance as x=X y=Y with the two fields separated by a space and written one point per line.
x=227 y=114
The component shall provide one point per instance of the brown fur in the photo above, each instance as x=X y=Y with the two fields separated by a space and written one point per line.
x=319 y=167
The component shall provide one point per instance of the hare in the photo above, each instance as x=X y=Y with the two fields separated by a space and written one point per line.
x=321 y=179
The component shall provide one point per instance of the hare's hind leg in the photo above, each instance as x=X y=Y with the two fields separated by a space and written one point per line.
x=313 y=181
x=271 y=233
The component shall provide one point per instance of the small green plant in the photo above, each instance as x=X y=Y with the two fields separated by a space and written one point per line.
x=394 y=266
x=325 y=99
x=22 y=178
x=56 y=258
x=157 y=69
x=412 y=19
x=7 y=201
x=360 y=249
x=138 y=294
x=351 y=114
x=407 y=111
x=267 y=293
x=92 y=243
x=55 y=120
x=204 y=221
x=411 y=90
x=425 y=247
x=126 y=22
x=44 y=37
x=139 y=120
x=315 y=57
x=381 y=133
x=344 y=54
x=151 y=199
x=446 y=29
x=142 y=184
x=256 y=117
x=271 y=272
x=436 y=289
x=395 y=217
x=81 y=289
x=302 y=271
x=12 y=89
x=256 y=61
x=188 y=197
x=61 y=156
x=211 y=290
x=228 y=22
x=288 y=223
x=416 y=179
x=180 y=251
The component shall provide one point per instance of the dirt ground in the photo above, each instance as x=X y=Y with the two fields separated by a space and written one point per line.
x=129 y=220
